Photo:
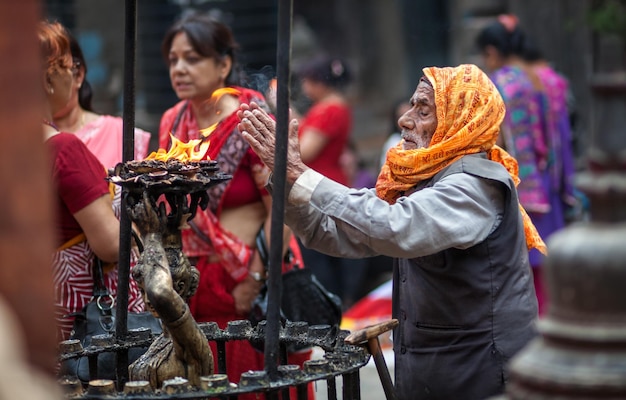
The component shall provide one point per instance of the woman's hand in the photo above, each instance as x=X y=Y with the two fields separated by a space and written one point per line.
x=248 y=289
x=244 y=294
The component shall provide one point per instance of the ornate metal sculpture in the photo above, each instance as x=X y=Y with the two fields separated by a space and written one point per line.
x=164 y=273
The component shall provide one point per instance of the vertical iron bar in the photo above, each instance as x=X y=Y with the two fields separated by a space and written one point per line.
x=346 y=387
x=351 y=386
x=284 y=355
x=278 y=203
x=303 y=391
x=284 y=361
x=93 y=366
x=221 y=356
x=331 y=388
x=128 y=151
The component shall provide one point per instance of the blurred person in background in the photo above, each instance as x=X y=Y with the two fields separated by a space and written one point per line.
x=201 y=54
x=394 y=137
x=326 y=126
x=568 y=203
x=523 y=133
x=355 y=168
x=324 y=133
x=86 y=224
x=103 y=134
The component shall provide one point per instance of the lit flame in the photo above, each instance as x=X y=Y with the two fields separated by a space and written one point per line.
x=181 y=151
x=185 y=151
x=215 y=97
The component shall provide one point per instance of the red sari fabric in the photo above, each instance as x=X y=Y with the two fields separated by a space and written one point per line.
x=235 y=157
x=208 y=240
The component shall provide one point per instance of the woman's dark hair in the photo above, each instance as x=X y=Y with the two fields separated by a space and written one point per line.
x=85 y=93
x=507 y=40
x=209 y=38
x=531 y=51
x=328 y=70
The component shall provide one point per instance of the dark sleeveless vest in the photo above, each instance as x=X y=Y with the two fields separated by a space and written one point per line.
x=464 y=313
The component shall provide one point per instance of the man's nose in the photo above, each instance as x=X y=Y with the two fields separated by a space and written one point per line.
x=405 y=122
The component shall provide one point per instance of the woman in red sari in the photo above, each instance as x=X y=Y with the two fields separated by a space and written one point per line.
x=201 y=56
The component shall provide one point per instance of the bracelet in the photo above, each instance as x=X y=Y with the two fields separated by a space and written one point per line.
x=257 y=276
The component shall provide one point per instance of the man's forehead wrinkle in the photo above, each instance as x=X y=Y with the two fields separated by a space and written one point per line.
x=423 y=95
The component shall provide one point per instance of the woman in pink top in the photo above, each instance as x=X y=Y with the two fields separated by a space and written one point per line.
x=101 y=133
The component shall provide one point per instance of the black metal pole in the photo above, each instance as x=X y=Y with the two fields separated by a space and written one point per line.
x=283 y=54
x=128 y=153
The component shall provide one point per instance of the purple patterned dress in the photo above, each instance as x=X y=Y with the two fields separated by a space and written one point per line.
x=559 y=173
x=523 y=136
x=536 y=131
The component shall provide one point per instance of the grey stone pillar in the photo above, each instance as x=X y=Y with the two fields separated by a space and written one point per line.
x=582 y=349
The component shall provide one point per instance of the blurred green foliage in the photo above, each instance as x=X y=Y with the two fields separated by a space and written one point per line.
x=609 y=17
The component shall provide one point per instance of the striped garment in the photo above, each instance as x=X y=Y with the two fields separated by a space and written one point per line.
x=73 y=281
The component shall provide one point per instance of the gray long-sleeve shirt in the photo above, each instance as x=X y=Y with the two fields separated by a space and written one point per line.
x=459 y=211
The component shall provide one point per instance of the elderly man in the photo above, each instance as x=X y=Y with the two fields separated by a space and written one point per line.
x=445 y=206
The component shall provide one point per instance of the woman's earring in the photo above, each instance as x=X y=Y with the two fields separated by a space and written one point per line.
x=51 y=91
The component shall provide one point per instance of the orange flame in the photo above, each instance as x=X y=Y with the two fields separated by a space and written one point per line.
x=215 y=97
x=185 y=151
x=181 y=151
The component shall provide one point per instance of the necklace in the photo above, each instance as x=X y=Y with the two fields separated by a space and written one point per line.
x=50 y=124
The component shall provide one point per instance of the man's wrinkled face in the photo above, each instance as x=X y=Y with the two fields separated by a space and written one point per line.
x=419 y=123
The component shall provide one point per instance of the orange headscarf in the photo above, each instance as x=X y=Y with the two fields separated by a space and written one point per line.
x=469 y=113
